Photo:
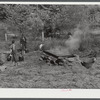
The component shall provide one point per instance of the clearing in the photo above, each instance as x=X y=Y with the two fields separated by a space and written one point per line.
x=35 y=74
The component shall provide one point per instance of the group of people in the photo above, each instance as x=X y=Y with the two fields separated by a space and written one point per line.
x=13 y=50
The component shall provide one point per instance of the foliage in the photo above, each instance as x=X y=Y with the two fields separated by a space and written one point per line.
x=33 y=19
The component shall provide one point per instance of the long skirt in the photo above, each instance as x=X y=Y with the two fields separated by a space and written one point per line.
x=14 y=57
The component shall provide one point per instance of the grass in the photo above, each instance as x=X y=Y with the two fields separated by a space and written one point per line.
x=33 y=73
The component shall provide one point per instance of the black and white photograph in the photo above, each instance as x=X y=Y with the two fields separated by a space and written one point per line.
x=50 y=46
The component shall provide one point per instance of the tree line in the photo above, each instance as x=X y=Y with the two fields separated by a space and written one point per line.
x=48 y=18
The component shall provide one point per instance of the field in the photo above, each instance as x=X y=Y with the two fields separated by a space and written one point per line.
x=72 y=29
x=35 y=74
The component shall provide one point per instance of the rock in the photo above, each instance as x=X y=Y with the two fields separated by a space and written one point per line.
x=71 y=59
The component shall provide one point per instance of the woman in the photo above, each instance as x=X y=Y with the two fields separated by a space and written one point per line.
x=13 y=52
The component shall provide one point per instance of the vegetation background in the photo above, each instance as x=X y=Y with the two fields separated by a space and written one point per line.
x=31 y=20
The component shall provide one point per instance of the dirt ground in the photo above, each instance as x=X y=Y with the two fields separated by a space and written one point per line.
x=33 y=73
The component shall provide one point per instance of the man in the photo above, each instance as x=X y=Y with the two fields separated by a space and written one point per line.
x=23 y=43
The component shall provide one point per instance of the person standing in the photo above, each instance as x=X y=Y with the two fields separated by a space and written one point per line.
x=14 y=53
x=23 y=43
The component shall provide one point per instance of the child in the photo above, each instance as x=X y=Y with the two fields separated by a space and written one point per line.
x=9 y=56
x=13 y=53
x=21 y=57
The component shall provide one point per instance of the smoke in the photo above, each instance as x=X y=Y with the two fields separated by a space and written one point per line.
x=59 y=50
x=73 y=43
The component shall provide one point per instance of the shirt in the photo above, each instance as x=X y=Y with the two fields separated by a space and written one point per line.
x=13 y=47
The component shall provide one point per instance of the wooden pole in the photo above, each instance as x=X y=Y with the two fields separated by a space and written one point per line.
x=42 y=36
x=5 y=37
